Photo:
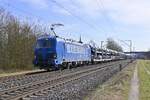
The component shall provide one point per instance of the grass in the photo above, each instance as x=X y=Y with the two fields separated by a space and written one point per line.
x=16 y=71
x=116 y=88
x=144 y=80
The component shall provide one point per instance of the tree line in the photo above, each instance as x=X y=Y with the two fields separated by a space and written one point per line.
x=16 y=42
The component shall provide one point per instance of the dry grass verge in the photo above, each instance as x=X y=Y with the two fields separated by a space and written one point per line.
x=116 y=88
x=18 y=72
x=144 y=76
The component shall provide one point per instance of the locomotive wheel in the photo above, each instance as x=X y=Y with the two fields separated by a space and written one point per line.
x=61 y=67
x=68 y=66
x=48 y=69
x=55 y=68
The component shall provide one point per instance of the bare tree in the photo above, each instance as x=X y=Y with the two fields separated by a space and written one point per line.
x=16 y=42
x=113 y=45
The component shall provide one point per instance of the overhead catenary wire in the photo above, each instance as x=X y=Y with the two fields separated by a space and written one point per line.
x=31 y=18
x=59 y=5
x=124 y=42
x=101 y=6
x=75 y=5
x=74 y=15
x=28 y=15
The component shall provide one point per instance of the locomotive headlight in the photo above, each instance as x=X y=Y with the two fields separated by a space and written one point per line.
x=55 y=56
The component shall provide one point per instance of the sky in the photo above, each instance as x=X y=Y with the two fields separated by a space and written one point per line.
x=94 y=20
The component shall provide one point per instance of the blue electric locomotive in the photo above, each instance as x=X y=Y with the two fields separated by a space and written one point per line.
x=54 y=52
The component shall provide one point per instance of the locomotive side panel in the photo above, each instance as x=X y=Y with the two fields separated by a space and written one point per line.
x=75 y=52
x=60 y=49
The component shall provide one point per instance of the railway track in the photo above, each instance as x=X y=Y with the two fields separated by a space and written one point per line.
x=37 y=87
x=19 y=80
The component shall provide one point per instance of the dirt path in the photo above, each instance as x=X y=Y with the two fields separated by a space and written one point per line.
x=134 y=90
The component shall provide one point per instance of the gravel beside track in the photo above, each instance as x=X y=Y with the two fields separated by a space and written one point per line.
x=66 y=84
x=76 y=89
x=19 y=80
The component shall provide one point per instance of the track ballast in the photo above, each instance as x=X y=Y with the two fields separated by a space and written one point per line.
x=39 y=87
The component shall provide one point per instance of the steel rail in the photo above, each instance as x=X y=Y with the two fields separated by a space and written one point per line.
x=18 y=92
x=21 y=80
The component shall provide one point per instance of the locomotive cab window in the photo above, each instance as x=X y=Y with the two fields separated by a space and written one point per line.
x=44 y=43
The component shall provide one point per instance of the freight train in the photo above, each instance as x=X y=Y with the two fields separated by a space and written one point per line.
x=53 y=52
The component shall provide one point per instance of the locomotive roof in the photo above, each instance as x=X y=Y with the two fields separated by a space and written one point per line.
x=46 y=36
x=71 y=41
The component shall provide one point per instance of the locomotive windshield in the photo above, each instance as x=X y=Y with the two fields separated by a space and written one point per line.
x=44 y=43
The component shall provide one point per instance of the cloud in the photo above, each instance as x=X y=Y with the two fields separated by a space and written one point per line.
x=90 y=7
x=42 y=4
x=130 y=12
x=78 y=7
x=56 y=9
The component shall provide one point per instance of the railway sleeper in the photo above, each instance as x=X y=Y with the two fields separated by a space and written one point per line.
x=65 y=78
